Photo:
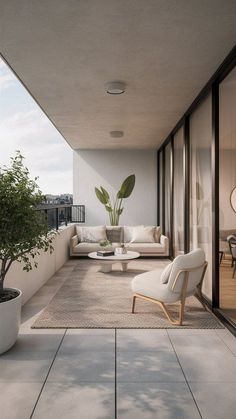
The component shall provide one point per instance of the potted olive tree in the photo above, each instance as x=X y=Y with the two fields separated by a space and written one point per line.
x=23 y=233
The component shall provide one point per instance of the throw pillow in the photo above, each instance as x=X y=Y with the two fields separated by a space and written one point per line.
x=157 y=234
x=128 y=233
x=166 y=273
x=91 y=234
x=114 y=234
x=142 y=234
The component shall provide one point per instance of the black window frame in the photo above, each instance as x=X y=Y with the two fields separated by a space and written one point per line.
x=211 y=87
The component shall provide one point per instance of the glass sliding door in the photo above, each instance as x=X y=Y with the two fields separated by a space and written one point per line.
x=178 y=196
x=189 y=175
x=167 y=189
x=160 y=191
x=201 y=186
x=227 y=195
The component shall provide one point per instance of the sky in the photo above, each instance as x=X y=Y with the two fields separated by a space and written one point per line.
x=24 y=127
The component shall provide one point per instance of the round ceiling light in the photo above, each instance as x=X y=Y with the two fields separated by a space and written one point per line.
x=116 y=134
x=115 y=87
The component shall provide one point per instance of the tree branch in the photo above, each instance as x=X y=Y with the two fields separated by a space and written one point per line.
x=8 y=266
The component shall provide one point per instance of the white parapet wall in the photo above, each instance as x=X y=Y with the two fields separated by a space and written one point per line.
x=30 y=282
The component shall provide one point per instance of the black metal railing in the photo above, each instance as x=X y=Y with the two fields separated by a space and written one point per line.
x=62 y=215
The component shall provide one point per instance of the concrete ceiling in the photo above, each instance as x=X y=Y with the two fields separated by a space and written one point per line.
x=64 y=51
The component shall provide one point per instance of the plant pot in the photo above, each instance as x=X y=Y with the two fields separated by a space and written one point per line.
x=10 y=316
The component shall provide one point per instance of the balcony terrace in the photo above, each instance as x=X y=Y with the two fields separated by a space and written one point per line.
x=113 y=373
x=134 y=87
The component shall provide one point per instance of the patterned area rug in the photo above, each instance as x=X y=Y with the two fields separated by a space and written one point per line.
x=92 y=299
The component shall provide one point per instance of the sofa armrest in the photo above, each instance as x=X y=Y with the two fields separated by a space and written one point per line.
x=73 y=242
x=164 y=241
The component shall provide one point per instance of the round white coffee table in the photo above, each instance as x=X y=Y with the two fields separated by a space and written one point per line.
x=107 y=261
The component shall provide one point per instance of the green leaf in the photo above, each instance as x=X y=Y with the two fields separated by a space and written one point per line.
x=126 y=187
x=23 y=228
x=119 y=211
x=109 y=209
x=101 y=196
x=105 y=193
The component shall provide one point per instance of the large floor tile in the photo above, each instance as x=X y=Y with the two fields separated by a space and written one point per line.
x=215 y=400
x=179 y=331
x=228 y=338
x=36 y=342
x=17 y=400
x=25 y=328
x=199 y=343
x=208 y=366
x=30 y=312
x=155 y=401
x=76 y=401
x=109 y=332
x=83 y=366
x=148 y=367
x=143 y=340
x=25 y=366
x=88 y=340
x=43 y=297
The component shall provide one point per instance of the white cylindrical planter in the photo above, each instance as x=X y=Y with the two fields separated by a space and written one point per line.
x=10 y=316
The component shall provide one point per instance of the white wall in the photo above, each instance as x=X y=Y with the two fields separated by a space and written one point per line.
x=30 y=282
x=108 y=168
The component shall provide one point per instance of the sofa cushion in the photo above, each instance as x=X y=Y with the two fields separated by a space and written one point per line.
x=157 y=233
x=150 y=285
x=87 y=247
x=114 y=234
x=143 y=234
x=128 y=233
x=154 y=248
x=91 y=234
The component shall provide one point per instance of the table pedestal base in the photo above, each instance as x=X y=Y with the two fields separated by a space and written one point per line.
x=107 y=267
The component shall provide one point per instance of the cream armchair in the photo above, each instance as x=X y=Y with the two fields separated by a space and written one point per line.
x=180 y=279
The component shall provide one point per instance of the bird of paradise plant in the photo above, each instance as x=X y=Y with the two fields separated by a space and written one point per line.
x=114 y=206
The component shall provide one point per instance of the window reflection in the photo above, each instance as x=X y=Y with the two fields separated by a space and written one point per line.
x=201 y=186
x=227 y=178
x=167 y=188
x=178 y=238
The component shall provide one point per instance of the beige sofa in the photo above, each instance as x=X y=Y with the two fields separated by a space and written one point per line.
x=117 y=235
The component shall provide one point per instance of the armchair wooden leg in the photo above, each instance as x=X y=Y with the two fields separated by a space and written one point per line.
x=133 y=303
x=164 y=308
x=167 y=313
x=198 y=294
x=183 y=298
x=181 y=312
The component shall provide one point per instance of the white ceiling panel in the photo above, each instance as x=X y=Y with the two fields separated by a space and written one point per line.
x=64 y=51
